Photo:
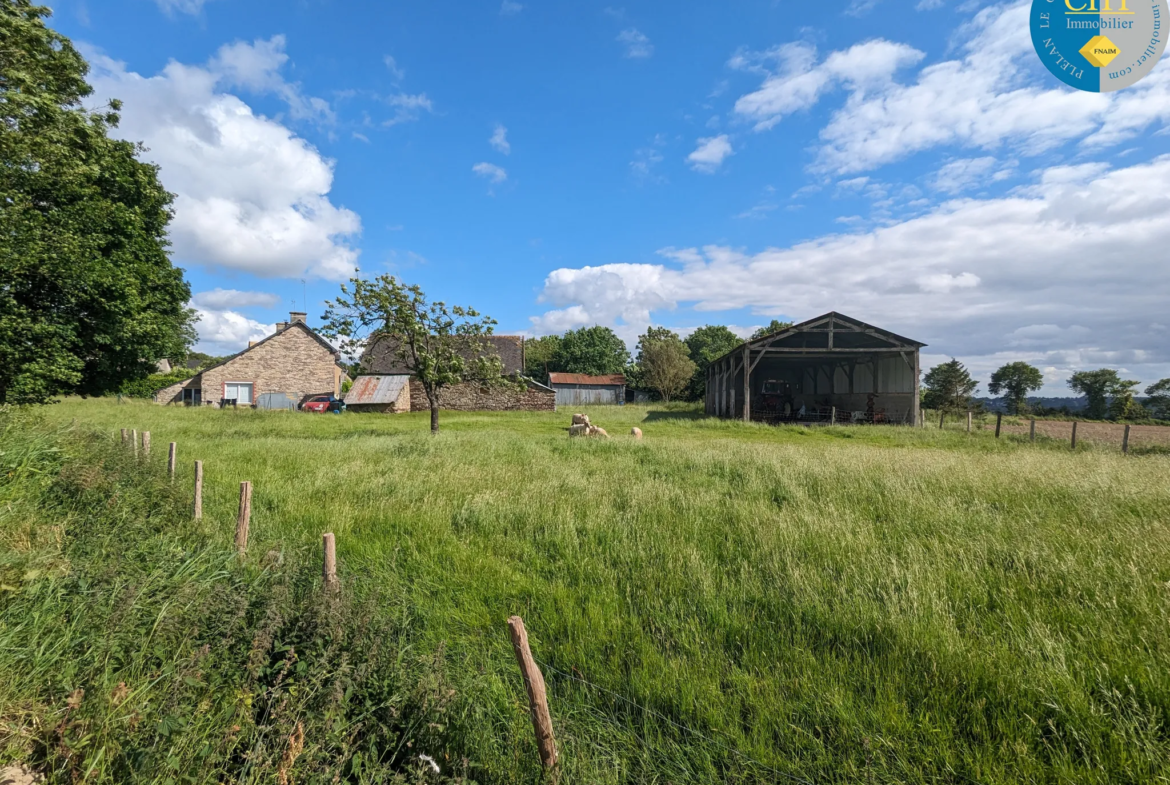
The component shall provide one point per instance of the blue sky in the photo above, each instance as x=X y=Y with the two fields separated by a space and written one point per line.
x=908 y=162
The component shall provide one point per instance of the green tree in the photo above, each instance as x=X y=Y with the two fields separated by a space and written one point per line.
x=774 y=327
x=438 y=345
x=663 y=363
x=88 y=296
x=1123 y=405
x=1098 y=387
x=706 y=345
x=1014 y=381
x=539 y=356
x=1159 y=402
x=595 y=351
x=949 y=387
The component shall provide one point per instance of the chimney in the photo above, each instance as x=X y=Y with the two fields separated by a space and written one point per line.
x=296 y=316
x=252 y=343
x=281 y=326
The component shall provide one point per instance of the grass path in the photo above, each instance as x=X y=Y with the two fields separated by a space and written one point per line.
x=844 y=604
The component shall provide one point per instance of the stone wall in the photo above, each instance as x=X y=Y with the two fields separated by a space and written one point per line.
x=292 y=362
x=469 y=397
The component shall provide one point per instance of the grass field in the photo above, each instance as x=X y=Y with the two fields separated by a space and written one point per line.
x=874 y=605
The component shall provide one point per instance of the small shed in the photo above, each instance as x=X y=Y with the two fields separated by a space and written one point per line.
x=388 y=394
x=578 y=389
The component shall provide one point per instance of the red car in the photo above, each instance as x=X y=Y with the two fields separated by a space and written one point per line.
x=322 y=404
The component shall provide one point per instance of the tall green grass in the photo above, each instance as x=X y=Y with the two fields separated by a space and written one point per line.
x=840 y=604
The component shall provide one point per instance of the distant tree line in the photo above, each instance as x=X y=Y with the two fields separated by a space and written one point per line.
x=949 y=387
x=664 y=363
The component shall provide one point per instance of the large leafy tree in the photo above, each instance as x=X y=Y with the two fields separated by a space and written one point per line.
x=949 y=387
x=540 y=356
x=1159 y=401
x=438 y=345
x=1014 y=381
x=1098 y=387
x=596 y=351
x=774 y=326
x=706 y=345
x=88 y=296
x=664 y=363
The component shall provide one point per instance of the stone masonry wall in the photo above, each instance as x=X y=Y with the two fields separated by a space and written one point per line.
x=292 y=362
x=469 y=397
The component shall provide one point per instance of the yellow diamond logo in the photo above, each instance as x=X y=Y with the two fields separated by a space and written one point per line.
x=1100 y=51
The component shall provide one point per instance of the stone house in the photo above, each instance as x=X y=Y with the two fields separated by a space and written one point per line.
x=381 y=358
x=294 y=363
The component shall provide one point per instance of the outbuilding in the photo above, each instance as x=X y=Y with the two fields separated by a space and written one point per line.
x=578 y=389
x=383 y=394
x=830 y=369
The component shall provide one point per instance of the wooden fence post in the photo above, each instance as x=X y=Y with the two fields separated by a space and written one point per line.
x=833 y=416
x=1032 y=431
x=329 y=542
x=125 y=436
x=1125 y=442
x=146 y=444
x=134 y=438
x=969 y=418
x=242 y=521
x=198 y=490
x=537 y=697
x=1074 y=437
x=998 y=423
x=171 y=461
x=942 y=419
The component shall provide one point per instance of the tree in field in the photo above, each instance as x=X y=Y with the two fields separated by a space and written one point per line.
x=439 y=345
x=774 y=327
x=1159 y=402
x=664 y=363
x=539 y=356
x=706 y=345
x=594 y=351
x=949 y=387
x=88 y=297
x=1014 y=381
x=1098 y=387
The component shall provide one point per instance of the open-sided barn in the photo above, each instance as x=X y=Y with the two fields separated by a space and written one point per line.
x=830 y=369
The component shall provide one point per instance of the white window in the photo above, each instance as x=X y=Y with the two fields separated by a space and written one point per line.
x=240 y=392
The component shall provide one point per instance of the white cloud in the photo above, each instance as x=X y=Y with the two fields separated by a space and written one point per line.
x=928 y=5
x=181 y=6
x=1078 y=252
x=636 y=43
x=510 y=8
x=993 y=95
x=407 y=108
x=395 y=70
x=492 y=172
x=227 y=332
x=499 y=140
x=959 y=175
x=223 y=299
x=251 y=195
x=710 y=154
x=256 y=67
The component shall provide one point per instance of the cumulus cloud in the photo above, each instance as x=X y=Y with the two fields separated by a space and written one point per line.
x=510 y=8
x=1065 y=273
x=256 y=67
x=227 y=332
x=636 y=43
x=991 y=96
x=959 y=175
x=710 y=153
x=223 y=299
x=495 y=174
x=499 y=140
x=250 y=194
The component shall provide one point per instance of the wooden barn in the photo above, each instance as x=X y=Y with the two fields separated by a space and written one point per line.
x=830 y=369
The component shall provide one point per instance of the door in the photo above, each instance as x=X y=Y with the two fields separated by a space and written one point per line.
x=240 y=392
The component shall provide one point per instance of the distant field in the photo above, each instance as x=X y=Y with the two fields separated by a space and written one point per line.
x=846 y=605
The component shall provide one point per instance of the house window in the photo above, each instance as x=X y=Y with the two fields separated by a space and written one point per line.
x=240 y=392
x=192 y=396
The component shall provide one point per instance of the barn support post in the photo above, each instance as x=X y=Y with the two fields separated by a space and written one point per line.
x=747 y=383
x=917 y=387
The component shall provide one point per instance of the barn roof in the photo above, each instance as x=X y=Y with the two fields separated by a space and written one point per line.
x=833 y=333
x=381 y=356
x=580 y=378
x=376 y=390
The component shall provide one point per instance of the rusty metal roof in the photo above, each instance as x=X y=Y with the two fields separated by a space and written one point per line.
x=375 y=389
x=580 y=378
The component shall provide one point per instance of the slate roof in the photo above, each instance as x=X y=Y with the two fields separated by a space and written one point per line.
x=579 y=378
x=381 y=356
